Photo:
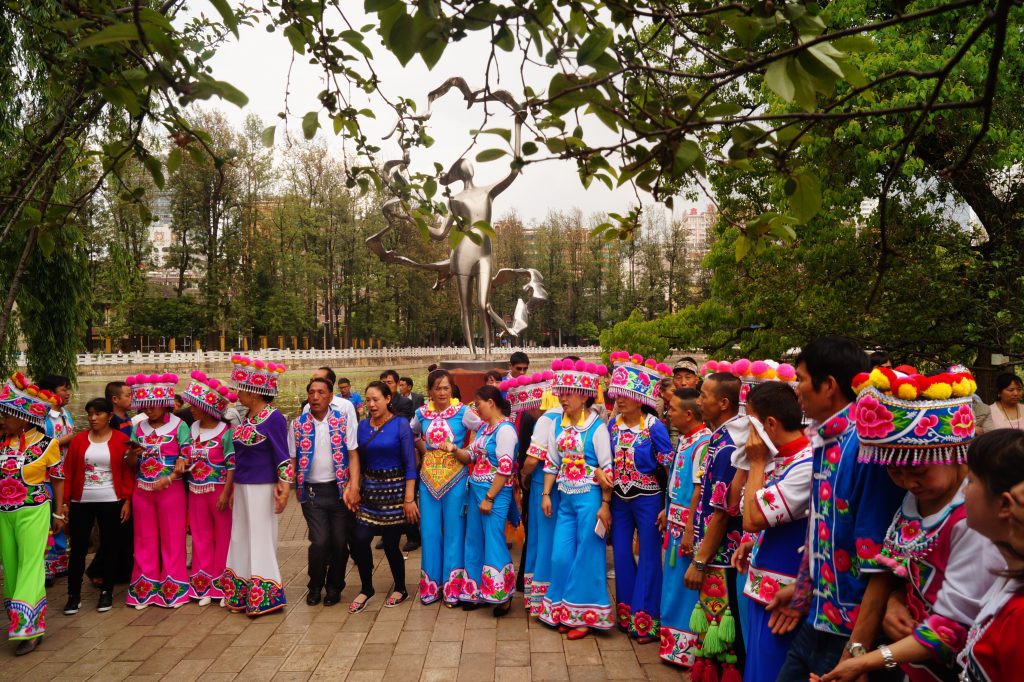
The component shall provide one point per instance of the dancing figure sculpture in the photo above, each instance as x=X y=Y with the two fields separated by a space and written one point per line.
x=471 y=262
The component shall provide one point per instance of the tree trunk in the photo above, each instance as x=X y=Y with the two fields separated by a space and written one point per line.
x=12 y=292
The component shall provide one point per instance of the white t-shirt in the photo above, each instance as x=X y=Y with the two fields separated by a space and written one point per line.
x=99 y=480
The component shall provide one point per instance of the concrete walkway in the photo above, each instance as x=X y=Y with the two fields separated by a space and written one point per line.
x=407 y=643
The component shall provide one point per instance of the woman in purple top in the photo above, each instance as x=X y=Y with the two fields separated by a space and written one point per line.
x=263 y=478
x=388 y=475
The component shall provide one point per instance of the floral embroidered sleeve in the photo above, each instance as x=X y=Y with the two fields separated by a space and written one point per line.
x=34 y=473
x=789 y=499
x=57 y=470
x=661 y=444
x=603 y=449
x=286 y=472
x=506 y=443
x=184 y=438
x=720 y=476
x=538 y=448
x=943 y=636
x=228 y=444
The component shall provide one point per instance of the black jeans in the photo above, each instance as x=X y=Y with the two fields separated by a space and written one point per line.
x=330 y=523
x=812 y=651
x=81 y=517
x=364 y=558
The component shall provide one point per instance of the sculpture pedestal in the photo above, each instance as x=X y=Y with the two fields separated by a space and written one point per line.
x=468 y=375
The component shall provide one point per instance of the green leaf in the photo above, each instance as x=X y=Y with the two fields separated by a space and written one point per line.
x=529 y=148
x=115 y=33
x=223 y=7
x=504 y=39
x=174 y=160
x=805 y=197
x=594 y=46
x=310 y=124
x=687 y=154
x=294 y=35
x=401 y=40
x=743 y=245
x=268 y=136
x=490 y=155
x=231 y=93
x=378 y=5
x=430 y=187
x=779 y=81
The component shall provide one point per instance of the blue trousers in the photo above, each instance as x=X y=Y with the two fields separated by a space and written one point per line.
x=637 y=584
x=578 y=595
x=540 y=537
x=767 y=652
x=490 y=577
x=443 y=530
x=811 y=652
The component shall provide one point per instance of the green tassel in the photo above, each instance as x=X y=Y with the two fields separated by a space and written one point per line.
x=731 y=659
x=727 y=628
x=698 y=621
x=712 y=641
x=671 y=558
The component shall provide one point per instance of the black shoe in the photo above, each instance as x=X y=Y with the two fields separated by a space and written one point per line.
x=106 y=601
x=410 y=546
x=502 y=609
x=469 y=606
x=48 y=583
x=71 y=608
x=332 y=598
x=27 y=646
x=380 y=544
x=313 y=598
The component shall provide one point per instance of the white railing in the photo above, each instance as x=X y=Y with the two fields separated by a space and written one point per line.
x=154 y=359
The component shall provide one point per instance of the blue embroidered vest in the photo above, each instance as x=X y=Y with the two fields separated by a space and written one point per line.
x=304 y=431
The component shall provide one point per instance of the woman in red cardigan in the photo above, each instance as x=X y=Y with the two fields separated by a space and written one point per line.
x=98 y=487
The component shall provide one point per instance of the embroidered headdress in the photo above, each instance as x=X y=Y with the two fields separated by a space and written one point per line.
x=208 y=394
x=636 y=378
x=752 y=372
x=255 y=376
x=913 y=419
x=23 y=400
x=526 y=392
x=152 y=390
x=577 y=377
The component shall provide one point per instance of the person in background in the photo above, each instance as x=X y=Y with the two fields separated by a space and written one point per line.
x=61 y=427
x=492 y=457
x=684 y=373
x=880 y=358
x=1005 y=411
x=400 y=405
x=776 y=502
x=120 y=396
x=387 y=473
x=518 y=364
x=852 y=505
x=345 y=391
x=678 y=641
x=26 y=452
x=98 y=489
x=405 y=388
x=322 y=444
x=210 y=485
x=183 y=411
x=263 y=478
x=160 y=455
x=492 y=377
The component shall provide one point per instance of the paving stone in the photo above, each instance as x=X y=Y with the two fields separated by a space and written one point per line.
x=548 y=666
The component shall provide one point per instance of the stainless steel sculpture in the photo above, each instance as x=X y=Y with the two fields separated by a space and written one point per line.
x=470 y=262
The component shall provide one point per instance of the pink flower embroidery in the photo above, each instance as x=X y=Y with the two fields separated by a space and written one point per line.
x=832 y=613
x=510 y=581
x=769 y=586
x=257 y=380
x=873 y=419
x=823 y=532
x=867 y=549
x=833 y=454
x=255 y=594
x=714 y=587
x=151 y=467
x=835 y=426
x=718 y=493
x=825 y=491
x=642 y=622
x=12 y=492
x=926 y=424
x=487 y=584
x=201 y=470
x=169 y=590
x=590 y=617
x=827 y=574
x=143 y=588
x=962 y=422
x=909 y=531
x=842 y=559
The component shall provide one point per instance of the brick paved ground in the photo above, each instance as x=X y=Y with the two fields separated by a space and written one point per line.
x=408 y=643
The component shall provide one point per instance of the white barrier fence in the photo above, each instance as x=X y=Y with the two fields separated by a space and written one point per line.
x=356 y=355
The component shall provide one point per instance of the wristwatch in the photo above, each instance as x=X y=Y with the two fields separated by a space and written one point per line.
x=855 y=649
x=890 y=660
x=700 y=566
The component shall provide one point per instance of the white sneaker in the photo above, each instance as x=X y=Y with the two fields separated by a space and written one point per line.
x=140 y=607
x=205 y=601
x=223 y=602
x=177 y=606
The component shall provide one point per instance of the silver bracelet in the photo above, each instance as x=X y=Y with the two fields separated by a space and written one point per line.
x=890 y=660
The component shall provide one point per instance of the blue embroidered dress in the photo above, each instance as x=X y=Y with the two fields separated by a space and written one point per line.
x=542 y=528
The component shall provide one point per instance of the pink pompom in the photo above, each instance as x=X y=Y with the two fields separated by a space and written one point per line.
x=650 y=363
x=786 y=372
x=536 y=378
x=556 y=365
x=602 y=371
x=664 y=369
x=758 y=367
x=232 y=397
x=259 y=364
x=725 y=366
x=579 y=366
x=548 y=375
x=741 y=366
x=504 y=385
x=130 y=381
x=711 y=366
x=589 y=368
x=213 y=383
x=637 y=359
x=169 y=378
x=153 y=378
x=223 y=390
x=197 y=375
x=525 y=380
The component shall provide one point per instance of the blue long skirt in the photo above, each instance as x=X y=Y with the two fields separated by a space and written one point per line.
x=491 y=578
x=578 y=594
x=443 y=537
x=678 y=642
x=768 y=651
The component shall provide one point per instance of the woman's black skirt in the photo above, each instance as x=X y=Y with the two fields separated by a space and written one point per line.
x=382 y=495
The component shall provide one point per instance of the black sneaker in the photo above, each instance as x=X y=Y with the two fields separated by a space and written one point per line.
x=106 y=601
x=74 y=603
x=380 y=544
x=410 y=546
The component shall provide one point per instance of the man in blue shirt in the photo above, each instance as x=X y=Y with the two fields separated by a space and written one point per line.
x=345 y=391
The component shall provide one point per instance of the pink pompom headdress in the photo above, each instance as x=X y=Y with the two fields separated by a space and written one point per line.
x=576 y=377
x=636 y=378
x=208 y=394
x=254 y=375
x=752 y=372
x=152 y=390
x=527 y=391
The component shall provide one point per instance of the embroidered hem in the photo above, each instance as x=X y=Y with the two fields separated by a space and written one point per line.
x=677 y=646
x=256 y=595
x=497 y=586
x=166 y=592
x=202 y=584
x=26 y=621
x=428 y=589
x=596 y=616
x=538 y=589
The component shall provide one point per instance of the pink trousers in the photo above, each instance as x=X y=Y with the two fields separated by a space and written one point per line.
x=160 y=575
x=211 y=535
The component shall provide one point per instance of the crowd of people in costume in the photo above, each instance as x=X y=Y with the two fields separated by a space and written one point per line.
x=821 y=520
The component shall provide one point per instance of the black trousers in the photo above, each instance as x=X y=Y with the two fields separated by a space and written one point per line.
x=330 y=526
x=81 y=517
x=364 y=558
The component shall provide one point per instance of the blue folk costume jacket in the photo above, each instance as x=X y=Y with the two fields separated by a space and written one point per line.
x=304 y=433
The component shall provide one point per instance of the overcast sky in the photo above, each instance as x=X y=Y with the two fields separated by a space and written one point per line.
x=258 y=64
